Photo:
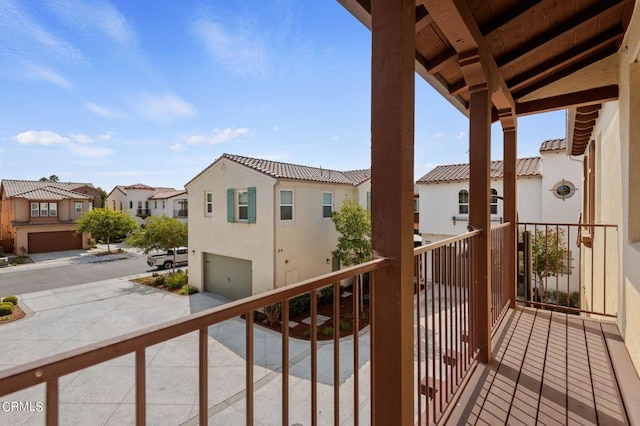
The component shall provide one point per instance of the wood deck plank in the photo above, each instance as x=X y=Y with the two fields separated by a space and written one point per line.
x=552 y=409
x=608 y=404
x=580 y=404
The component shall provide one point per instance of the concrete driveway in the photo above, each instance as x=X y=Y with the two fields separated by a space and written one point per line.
x=71 y=317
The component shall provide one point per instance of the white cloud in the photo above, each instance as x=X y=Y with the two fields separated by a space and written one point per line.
x=439 y=135
x=90 y=151
x=276 y=128
x=40 y=137
x=177 y=147
x=241 y=50
x=216 y=136
x=103 y=112
x=461 y=135
x=80 y=138
x=106 y=136
x=162 y=108
x=39 y=72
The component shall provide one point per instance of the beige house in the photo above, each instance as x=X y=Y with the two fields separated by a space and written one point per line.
x=141 y=201
x=37 y=217
x=256 y=225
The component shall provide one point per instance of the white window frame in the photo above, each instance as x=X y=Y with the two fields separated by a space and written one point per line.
x=53 y=209
x=327 y=205
x=416 y=205
x=77 y=204
x=37 y=209
x=44 y=208
x=461 y=203
x=287 y=205
x=208 y=204
x=493 y=201
x=244 y=205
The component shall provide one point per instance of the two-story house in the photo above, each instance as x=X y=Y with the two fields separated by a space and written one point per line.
x=38 y=217
x=256 y=225
x=141 y=201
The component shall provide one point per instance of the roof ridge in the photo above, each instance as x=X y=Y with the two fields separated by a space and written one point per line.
x=226 y=155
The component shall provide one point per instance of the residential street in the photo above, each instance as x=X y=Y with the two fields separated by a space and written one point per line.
x=57 y=275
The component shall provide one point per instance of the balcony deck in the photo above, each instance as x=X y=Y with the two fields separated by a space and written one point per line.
x=550 y=368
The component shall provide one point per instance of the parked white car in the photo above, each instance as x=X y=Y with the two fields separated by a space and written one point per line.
x=165 y=260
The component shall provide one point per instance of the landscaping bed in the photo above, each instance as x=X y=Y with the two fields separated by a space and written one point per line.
x=9 y=310
x=173 y=283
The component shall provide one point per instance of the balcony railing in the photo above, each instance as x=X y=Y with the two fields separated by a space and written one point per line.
x=446 y=333
x=572 y=266
x=181 y=213
x=143 y=212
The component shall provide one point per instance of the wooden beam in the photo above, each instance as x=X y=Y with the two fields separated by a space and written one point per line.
x=513 y=12
x=456 y=21
x=571 y=55
x=583 y=118
x=479 y=214
x=509 y=206
x=589 y=60
x=576 y=99
x=457 y=87
x=588 y=108
x=438 y=62
x=392 y=133
x=423 y=19
x=576 y=21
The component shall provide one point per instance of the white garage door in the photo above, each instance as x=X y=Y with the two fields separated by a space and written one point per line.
x=227 y=276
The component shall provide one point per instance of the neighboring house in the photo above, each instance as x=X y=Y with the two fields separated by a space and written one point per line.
x=37 y=217
x=256 y=225
x=142 y=201
x=546 y=189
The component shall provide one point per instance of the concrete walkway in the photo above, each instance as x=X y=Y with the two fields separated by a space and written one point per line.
x=71 y=317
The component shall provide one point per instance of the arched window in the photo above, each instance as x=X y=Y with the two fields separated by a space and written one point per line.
x=494 y=201
x=463 y=202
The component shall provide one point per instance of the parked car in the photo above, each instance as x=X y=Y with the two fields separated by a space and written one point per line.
x=165 y=260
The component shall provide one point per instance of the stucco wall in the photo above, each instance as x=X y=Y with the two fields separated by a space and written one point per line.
x=213 y=234
x=133 y=195
x=304 y=244
x=556 y=166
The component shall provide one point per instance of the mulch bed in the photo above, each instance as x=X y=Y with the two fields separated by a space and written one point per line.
x=149 y=281
x=16 y=315
x=325 y=307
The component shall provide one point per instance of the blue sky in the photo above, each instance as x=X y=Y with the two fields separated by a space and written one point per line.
x=146 y=91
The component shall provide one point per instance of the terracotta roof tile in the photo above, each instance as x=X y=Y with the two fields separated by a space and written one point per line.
x=167 y=194
x=553 y=145
x=14 y=188
x=457 y=172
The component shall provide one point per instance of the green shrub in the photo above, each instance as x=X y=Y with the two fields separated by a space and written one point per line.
x=155 y=274
x=344 y=325
x=306 y=333
x=326 y=294
x=327 y=331
x=259 y=316
x=160 y=280
x=11 y=299
x=6 y=309
x=177 y=280
x=299 y=304
x=365 y=299
x=187 y=289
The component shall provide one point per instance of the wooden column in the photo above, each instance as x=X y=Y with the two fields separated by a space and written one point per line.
x=392 y=133
x=479 y=201
x=510 y=212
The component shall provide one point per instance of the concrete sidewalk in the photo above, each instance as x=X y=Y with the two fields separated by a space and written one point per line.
x=71 y=317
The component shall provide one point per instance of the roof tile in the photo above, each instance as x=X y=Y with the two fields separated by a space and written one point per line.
x=15 y=188
x=458 y=172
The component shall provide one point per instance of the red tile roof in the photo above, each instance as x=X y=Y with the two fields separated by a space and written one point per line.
x=279 y=170
x=554 y=145
x=167 y=194
x=35 y=189
x=459 y=172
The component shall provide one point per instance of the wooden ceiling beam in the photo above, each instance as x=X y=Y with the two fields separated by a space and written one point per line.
x=578 y=20
x=423 y=19
x=509 y=15
x=571 y=55
x=585 y=126
x=589 y=60
x=587 y=109
x=439 y=61
x=456 y=21
x=569 y=100
x=585 y=118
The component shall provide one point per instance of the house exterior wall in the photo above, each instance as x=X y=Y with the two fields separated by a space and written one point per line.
x=134 y=196
x=242 y=240
x=617 y=138
x=121 y=202
x=439 y=204
x=555 y=166
x=304 y=244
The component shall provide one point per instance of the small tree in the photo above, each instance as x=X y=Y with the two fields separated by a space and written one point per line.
x=160 y=233
x=106 y=224
x=353 y=223
x=549 y=256
x=52 y=178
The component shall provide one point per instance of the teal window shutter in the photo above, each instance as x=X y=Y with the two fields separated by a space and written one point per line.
x=251 y=216
x=231 y=205
x=368 y=200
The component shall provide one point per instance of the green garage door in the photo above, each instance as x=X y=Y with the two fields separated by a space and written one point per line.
x=227 y=276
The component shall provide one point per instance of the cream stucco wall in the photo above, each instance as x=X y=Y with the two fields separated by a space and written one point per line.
x=213 y=234
x=556 y=166
x=133 y=195
x=304 y=244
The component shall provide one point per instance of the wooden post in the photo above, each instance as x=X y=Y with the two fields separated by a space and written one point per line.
x=479 y=201
x=510 y=200
x=392 y=133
